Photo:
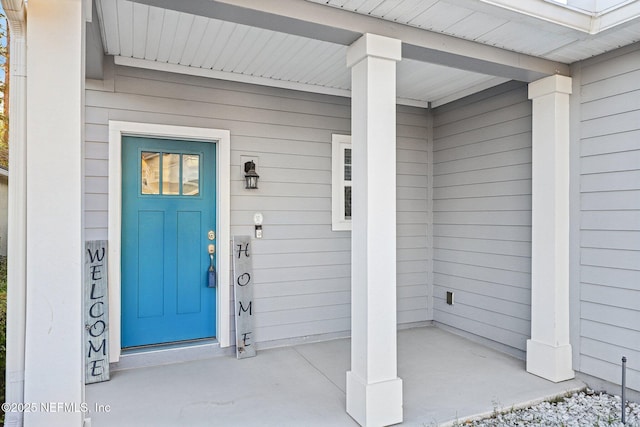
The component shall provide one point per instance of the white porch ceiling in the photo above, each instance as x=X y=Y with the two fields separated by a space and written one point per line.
x=139 y=33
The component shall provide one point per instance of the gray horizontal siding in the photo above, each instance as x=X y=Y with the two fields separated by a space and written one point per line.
x=482 y=215
x=302 y=267
x=610 y=216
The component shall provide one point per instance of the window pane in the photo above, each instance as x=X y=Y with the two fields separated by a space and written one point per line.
x=190 y=174
x=170 y=173
x=347 y=164
x=347 y=202
x=150 y=172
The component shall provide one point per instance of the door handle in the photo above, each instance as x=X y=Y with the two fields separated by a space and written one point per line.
x=211 y=273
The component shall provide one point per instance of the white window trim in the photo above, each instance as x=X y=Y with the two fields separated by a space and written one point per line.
x=222 y=139
x=338 y=144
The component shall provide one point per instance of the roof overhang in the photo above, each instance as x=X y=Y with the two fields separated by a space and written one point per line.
x=566 y=15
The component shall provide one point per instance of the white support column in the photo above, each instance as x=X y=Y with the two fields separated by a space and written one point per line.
x=55 y=98
x=549 y=350
x=17 y=231
x=374 y=391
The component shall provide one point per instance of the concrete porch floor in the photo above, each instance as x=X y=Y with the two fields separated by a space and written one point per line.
x=446 y=378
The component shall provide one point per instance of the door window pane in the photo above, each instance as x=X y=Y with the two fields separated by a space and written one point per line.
x=150 y=172
x=190 y=174
x=170 y=173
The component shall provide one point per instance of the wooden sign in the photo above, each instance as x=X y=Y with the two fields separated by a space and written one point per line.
x=96 y=312
x=243 y=292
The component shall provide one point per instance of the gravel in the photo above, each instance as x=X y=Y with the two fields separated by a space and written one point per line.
x=587 y=408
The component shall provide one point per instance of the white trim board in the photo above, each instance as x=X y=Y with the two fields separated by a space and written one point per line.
x=222 y=139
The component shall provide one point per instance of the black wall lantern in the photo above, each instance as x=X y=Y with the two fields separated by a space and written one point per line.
x=250 y=175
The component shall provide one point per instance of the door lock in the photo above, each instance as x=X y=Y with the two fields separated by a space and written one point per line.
x=211 y=235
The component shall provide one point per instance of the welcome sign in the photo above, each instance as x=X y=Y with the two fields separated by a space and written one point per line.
x=96 y=312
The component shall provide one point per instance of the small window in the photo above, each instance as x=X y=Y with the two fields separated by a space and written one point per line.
x=170 y=174
x=347 y=202
x=341 y=182
x=190 y=174
x=150 y=173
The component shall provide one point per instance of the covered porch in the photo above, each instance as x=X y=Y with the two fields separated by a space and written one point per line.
x=282 y=78
x=446 y=378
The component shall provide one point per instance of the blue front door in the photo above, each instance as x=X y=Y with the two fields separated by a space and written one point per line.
x=168 y=212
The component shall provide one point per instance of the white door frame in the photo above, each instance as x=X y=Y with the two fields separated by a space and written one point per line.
x=222 y=139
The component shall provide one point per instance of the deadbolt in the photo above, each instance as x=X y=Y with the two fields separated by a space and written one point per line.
x=212 y=249
x=211 y=235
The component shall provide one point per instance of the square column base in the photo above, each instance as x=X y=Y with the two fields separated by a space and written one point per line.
x=549 y=362
x=376 y=404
